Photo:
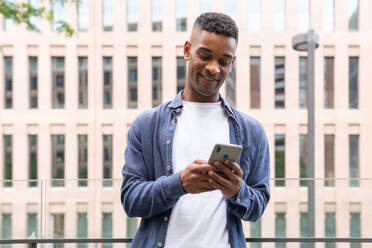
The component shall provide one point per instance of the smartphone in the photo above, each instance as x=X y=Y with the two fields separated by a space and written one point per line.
x=222 y=152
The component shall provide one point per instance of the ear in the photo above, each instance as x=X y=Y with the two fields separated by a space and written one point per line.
x=232 y=63
x=186 y=50
x=233 y=60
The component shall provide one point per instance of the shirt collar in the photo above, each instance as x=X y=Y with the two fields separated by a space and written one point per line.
x=177 y=104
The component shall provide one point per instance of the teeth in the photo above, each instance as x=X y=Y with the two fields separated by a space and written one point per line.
x=208 y=78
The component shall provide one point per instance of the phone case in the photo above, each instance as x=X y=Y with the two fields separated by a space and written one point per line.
x=225 y=151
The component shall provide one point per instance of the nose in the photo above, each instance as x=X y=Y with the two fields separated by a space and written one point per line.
x=213 y=67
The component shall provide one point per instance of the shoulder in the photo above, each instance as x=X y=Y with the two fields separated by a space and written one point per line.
x=148 y=117
x=250 y=127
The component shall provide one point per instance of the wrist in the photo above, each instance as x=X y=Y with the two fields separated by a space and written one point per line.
x=181 y=180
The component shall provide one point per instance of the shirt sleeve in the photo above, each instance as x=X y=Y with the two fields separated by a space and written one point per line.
x=140 y=196
x=254 y=194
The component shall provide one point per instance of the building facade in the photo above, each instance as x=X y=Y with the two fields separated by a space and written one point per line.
x=66 y=105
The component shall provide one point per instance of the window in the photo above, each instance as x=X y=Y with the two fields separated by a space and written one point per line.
x=131 y=227
x=107 y=82
x=329 y=160
x=58 y=82
x=328 y=16
x=279 y=160
x=256 y=233
x=107 y=160
x=255 y=77
x=279 y=15
x=181 y=73
x=83 y=82
x=132 y=83
x=303 y=82
x=32 y=224
x=156 y=81
x=157 y=15
x=354 y=160
x=254 y=16
x=303 y=16
x=8 y=61
x=279 y=82
x=181 y=15
x=33 y=19
x=83 y=160
x=32 y=160
x=58 y=160
x=6 y=228
x=107 y=15
x=328 y=82
x=280 y=228
x=231 y=8
x=355 y=228
x=231 y=85
x=353 y=15
x=83 y=15
x=303 y=159
x=57 y=226
x=205 y=6
x=303 y=227
x=59 y=14
x=8 y=22
x=33 y=84
x=82 y=229
x=107 y=228
x=8 y=160
x=132 y=15
x=353 y=82
x=330 y=228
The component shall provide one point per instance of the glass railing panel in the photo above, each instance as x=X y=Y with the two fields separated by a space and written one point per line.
x=91 y=211
x=305 y=245
x=342 y=210
x=21 y=209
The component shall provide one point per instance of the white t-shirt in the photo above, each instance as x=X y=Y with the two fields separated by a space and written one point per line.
x=198 y=220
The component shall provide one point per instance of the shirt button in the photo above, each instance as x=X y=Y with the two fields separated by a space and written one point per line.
x=168 y=141
x=238 y=200
x=160 y=244
x=165 y=218
x=168 y=167
x=173 y=121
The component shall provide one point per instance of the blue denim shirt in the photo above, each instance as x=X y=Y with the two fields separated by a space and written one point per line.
x=150 y=189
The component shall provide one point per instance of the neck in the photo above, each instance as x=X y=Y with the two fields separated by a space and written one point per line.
x=190 y=96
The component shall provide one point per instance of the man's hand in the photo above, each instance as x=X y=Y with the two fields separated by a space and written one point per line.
x=231 y=183
x=194 y=177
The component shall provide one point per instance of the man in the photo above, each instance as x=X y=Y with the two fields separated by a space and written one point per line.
x=183 y=200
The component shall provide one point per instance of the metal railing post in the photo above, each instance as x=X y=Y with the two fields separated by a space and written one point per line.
x=32 y=245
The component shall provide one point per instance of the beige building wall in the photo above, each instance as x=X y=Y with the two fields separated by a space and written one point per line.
x=96 y=121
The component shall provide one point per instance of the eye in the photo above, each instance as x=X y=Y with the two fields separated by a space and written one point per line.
x=225 y=62
x=202 y=57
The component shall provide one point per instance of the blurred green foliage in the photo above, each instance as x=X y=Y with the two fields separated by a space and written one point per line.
x=22 y=13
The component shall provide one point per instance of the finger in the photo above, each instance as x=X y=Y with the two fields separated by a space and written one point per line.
x=215 y=184
x=214 y=167
x=225 y=184
x=204 y=178
x=202 y=168
x=209 y=188
x=235 y=167
x=200 y=161
x=226 y=170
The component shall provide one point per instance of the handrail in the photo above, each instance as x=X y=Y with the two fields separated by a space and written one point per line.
x=33 y=242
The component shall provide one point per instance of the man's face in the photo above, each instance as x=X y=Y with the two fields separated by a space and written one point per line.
x=210 y=57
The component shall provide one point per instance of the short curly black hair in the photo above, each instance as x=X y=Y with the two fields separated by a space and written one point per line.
x=217 y=23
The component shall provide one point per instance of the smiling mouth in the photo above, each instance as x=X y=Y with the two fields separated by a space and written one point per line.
x=208 y=78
